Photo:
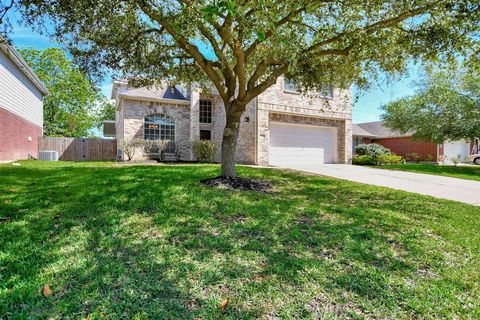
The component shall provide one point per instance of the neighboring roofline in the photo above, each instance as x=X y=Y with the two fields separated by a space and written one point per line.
x=142 y=98
x=364 y=135
x=21 y=64
x=374 y=136
x=382 y=137
x=394 y=137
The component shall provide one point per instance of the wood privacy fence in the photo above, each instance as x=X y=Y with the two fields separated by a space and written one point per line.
x=79 y=149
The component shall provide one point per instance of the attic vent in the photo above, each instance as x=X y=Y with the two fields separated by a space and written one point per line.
x=48 y=155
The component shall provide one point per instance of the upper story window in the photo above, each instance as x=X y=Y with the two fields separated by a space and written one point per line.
x=288 y=85
x=159 y=127
x=205 y=111
x=327 y=91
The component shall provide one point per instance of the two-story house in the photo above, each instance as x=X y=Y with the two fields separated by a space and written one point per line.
x=280 y=127
x=21 y=106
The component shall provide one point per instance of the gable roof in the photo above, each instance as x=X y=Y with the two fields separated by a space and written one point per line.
x=22 y=65
x=167 y=94
x=359 y=131
x=378 y=130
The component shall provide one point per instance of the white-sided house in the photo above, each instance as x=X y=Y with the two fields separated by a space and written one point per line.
x=21 y=106
x=280 y=127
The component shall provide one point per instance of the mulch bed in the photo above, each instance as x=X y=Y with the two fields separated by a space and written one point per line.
x=238 y=184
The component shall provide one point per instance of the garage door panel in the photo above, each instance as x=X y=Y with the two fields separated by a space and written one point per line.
x=288 y=156
x=453 y=149
x=293 y=144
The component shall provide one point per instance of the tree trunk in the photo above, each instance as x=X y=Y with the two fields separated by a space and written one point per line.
x=229 y=145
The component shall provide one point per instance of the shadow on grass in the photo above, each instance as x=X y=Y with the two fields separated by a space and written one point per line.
x=151 y=242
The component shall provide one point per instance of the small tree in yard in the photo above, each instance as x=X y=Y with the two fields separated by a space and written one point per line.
x=243 y=47
x=445 y=107
x=69 y=109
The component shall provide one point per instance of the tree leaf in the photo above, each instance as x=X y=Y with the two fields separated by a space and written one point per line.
x=261 y=36
x=47 y=292
x=224 y=304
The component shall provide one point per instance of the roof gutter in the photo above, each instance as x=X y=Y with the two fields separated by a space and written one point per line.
x=17 y=59
x=143 y=98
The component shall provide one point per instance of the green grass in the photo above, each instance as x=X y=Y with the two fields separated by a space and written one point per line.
x=141 y=242
x=462 y=172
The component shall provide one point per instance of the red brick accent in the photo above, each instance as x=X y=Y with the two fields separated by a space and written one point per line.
x=14 y=137
x=404 y=146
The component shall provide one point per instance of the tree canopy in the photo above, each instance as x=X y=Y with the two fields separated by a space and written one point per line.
x=70 y=108
x=445 y=107
x=242 y=47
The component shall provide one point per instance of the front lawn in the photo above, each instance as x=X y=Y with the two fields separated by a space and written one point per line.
x=462 y=172
x=115 y=241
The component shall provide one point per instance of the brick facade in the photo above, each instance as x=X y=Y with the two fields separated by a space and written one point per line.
x=18 y=137
x=252 y=148
x=134 y=113
x=281 y=105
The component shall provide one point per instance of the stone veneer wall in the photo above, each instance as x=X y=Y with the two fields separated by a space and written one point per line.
x=279 y=105
x=245 y=152
x=275 y=103
x=135 y=111
x=187 y=126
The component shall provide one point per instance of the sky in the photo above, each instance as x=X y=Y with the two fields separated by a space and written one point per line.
x=366 y=108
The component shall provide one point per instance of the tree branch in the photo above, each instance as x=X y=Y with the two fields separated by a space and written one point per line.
x=375 y=26
x=205 y=64
x=270 y=32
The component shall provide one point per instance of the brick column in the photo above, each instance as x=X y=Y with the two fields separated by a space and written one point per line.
x=263 y=136
x=348 y=141
x=194 y=116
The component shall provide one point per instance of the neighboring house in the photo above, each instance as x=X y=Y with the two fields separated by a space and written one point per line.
x=279 y=127
x=21 y=106
x=404 y=144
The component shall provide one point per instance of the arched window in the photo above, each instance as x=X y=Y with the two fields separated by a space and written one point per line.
x=159 y=127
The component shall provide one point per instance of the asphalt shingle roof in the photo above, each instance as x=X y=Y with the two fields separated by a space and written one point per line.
x=169 y=92
x=376 y=129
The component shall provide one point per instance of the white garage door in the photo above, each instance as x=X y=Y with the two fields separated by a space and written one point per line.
x=452 y=149
x=297 y=145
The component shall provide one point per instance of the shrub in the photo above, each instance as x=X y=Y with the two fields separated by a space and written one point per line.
x=178 y=154
x=129 y=147
x=364 y=160
x=155 y=147
x=414 y=157
x=374 y=150
x=429 y=157
x=204 y=150
x=389 y=159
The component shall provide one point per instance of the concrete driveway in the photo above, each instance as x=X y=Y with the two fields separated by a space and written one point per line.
x=462 y=190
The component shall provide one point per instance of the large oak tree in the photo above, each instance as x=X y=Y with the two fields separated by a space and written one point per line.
x=242 y=47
